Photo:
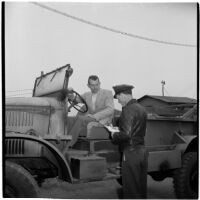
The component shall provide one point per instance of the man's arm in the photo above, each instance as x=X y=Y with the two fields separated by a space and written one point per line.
x=108 y=110
x=74 y=98
x=125 y=125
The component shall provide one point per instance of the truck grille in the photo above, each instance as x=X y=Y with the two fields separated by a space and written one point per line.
x=14 y=146
x=19 y=118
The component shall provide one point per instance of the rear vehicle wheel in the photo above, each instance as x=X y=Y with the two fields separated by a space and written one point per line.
x=18 y=182
x=186 y=177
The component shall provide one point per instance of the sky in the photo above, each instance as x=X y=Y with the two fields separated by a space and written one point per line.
x=38 y=40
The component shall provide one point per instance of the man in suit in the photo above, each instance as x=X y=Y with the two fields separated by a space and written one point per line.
x=100 y=109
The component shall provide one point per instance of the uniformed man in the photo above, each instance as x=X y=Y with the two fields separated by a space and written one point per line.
x=132 y=126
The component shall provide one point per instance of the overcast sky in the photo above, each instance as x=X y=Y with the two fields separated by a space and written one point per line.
x=38 y=40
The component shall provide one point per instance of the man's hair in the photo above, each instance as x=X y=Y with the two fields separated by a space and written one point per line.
x=93 y=77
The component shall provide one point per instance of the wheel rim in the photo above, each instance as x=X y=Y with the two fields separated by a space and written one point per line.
x=10 y=192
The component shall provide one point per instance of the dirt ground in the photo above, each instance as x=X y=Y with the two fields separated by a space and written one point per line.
x=109 y=189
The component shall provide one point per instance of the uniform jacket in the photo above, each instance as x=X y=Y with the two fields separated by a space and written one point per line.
x=132 y=125
x=104 y=106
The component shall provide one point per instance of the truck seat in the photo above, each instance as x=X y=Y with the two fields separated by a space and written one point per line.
x=96 y=132
x=101 y=132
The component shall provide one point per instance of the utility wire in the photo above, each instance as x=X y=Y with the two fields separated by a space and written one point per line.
x=18 y=90
x=17 y=95
x=111 y=29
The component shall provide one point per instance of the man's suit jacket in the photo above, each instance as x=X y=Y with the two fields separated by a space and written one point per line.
x=104 y=106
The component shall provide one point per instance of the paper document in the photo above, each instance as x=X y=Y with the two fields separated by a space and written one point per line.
x=112 y=129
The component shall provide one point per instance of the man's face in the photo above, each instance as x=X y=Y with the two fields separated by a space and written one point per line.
x=94 y=85
x=121 y=99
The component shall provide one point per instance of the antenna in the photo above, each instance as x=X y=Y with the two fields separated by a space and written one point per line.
x=163 y=85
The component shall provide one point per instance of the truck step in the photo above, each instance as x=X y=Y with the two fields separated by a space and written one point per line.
x=75 y=153
x=108 y=176
x=93 y=145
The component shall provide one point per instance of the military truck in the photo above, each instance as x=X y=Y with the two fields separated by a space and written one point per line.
x=37 y=133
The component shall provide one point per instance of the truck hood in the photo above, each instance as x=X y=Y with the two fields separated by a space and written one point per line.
x=34 y=101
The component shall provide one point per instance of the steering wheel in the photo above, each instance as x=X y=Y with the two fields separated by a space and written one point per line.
x=81 y=105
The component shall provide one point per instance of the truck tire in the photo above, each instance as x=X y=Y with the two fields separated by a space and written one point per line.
x=18 y=182
x=186 y=177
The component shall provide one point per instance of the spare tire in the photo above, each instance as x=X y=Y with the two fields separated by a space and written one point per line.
x=19 y=183
x=186 y=177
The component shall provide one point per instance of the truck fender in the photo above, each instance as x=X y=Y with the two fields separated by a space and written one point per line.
x=63 y=164
x=190 y=144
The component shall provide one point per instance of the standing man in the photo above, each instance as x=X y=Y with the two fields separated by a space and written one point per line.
x=100 y=109
x=132 y=126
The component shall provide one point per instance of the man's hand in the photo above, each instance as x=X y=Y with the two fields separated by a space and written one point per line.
x=70 y=94
x=70 y=89
x=112 y=134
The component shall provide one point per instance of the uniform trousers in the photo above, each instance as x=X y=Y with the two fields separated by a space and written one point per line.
x=134 y=173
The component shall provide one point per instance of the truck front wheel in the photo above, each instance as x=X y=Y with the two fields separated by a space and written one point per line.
x=186 y=177
x=18 y=182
